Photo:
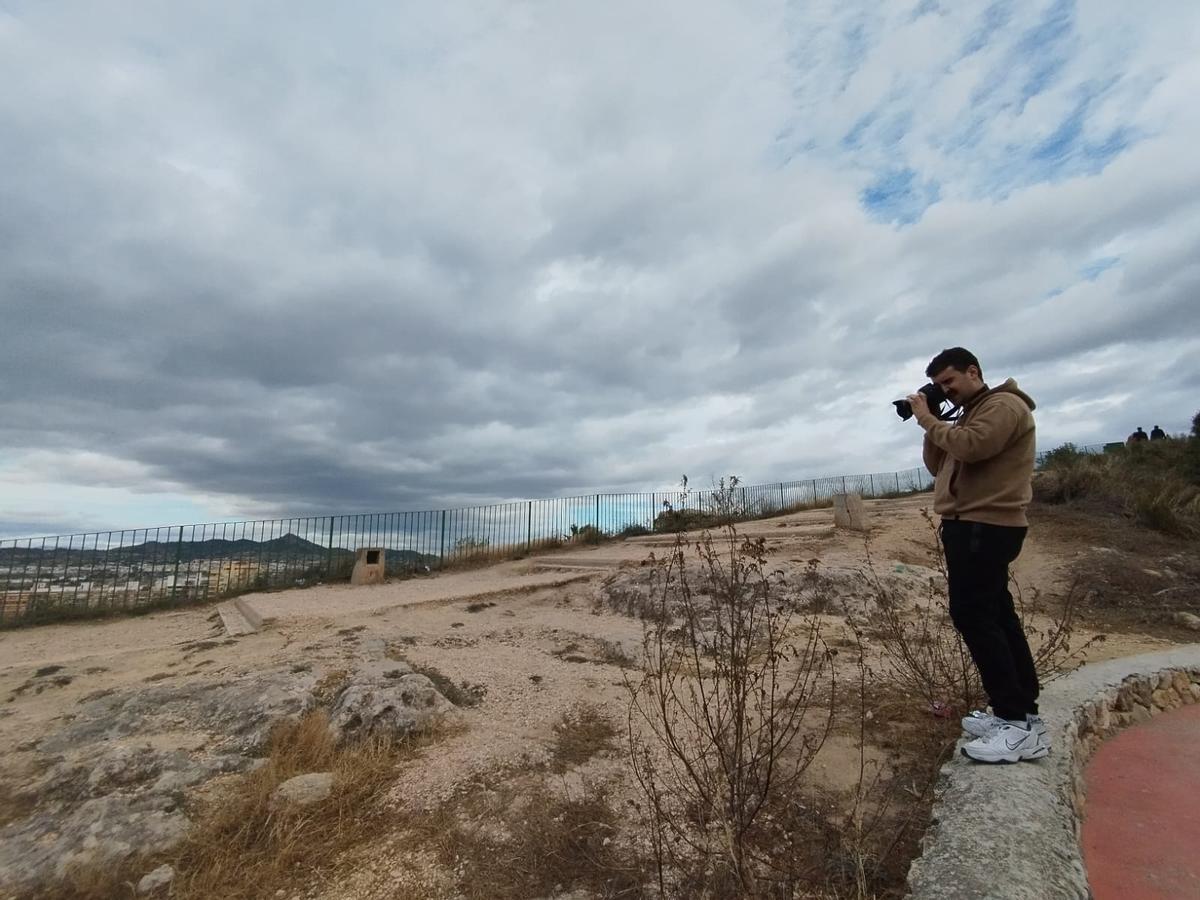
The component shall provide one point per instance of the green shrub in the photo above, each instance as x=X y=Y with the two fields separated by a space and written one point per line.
x=672 y=520
x=587 y=534
x=1154 y=483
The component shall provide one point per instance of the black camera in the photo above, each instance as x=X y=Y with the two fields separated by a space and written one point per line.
x=933 y=393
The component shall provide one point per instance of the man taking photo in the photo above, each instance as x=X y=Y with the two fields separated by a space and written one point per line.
x=982 y=463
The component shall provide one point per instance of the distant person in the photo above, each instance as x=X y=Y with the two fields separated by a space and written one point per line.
x=1157 y=434
x=1137 y=437
x=982 y=463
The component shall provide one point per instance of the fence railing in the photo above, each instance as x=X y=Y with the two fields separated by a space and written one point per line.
x=81 y=575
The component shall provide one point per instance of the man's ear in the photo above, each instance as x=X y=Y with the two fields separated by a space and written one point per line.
x=974 y=370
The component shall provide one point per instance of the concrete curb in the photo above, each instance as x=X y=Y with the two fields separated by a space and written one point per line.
x=1011 y=832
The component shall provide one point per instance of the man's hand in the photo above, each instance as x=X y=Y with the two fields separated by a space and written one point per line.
x=920 y=406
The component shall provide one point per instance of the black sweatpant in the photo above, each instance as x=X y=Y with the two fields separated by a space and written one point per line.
x=981 y=607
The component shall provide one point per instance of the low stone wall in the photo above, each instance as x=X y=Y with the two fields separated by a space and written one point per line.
x=1012 y=831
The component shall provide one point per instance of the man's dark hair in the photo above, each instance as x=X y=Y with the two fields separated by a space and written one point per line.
x=958 y=357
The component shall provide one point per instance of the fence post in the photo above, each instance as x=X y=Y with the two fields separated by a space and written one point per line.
x=442 y=548
x=897 y=474
x=529 y=527
x=843 y=484
x=597 y=512
x=744 y=513
x=872 y=485
x=175 y=576
x=329 y=555
x=782 y=503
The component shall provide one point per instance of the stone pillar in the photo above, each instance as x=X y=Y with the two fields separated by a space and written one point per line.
x=849 y=512
x=368 y=566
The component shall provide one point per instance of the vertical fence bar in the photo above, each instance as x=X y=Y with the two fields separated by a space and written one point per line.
x=175 y=576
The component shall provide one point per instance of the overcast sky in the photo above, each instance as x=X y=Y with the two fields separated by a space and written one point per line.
x=264 y=258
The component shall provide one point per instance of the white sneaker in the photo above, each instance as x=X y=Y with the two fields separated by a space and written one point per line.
x=981 y=723
x=1008 y=743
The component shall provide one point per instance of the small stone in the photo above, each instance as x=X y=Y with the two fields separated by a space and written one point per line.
x=1187 y=620
x=303 y=789
x=1161 y=699
x=1181 y=683
x=153 y=881
x=1139 y=714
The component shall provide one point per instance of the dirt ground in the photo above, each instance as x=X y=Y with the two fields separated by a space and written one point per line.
x=530 y=636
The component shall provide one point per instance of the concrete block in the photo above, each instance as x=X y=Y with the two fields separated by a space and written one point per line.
x=368 y=566
x=234 y=621
x=849 y=512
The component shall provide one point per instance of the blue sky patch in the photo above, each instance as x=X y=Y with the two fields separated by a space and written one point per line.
x=1096 y=267
x=898 y=196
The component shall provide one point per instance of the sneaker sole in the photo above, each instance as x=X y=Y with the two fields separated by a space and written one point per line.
x=1009 y=757
x=984 y=732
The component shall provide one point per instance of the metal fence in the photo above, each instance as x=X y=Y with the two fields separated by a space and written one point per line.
x=81 y=575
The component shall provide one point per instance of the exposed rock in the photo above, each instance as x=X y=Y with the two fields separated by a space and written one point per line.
x=1181 y=683
x=46 y=844
x=113 y=776
x=153 y=881
x=303 y=789
x=391 y=701
x=239 y=713
x=1187 y=620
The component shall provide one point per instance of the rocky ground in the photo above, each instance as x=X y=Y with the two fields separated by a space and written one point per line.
x=112 y=727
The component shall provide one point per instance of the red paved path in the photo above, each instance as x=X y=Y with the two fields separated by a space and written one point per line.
x=1141 y=827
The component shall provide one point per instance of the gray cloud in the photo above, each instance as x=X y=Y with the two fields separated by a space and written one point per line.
x=396 y=258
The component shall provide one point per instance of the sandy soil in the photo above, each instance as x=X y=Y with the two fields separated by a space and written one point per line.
x=534 y=637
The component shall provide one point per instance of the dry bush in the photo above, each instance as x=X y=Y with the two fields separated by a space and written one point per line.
x=871 y=836
x=241 y=848
x=536 y=841
x=717 y=725
x=627 y=595
x=579 y=735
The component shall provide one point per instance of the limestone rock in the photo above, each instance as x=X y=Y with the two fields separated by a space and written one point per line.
x=240 y=712
x=1181 y=683
x=1187 y=620
x=153 y=881
x=391 y=704
x=46 y=844
x=1161 y=699
x=303 y=790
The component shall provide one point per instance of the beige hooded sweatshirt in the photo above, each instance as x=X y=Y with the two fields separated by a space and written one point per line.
x=983 y=462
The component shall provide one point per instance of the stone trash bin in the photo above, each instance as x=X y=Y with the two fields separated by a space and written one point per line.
x=369 y=565
x=849 y=512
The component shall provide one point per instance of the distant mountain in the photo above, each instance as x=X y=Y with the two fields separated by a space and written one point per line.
x=288 y=548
